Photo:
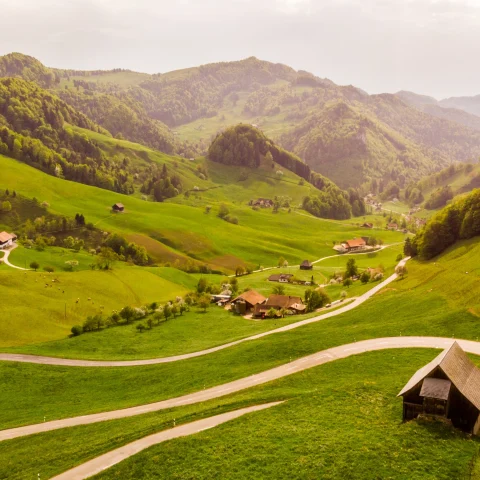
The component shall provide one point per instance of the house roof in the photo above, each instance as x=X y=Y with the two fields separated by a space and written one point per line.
x=5 y=237
x=436 y=388
x=119 y=205
x=276 y=277
x=306 y=263
x=251 y=296
x=282 y=301
x=458 y=368
x=356 y=242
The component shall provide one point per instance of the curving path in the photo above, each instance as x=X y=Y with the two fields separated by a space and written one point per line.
x=7 y=254
x=296 y=366
x=107 y=460
x=13 y=357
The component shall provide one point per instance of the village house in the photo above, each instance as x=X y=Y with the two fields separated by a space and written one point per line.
x=118 y=207
x=306 y=265
x=7 y=240
x=354 y=245
x=392 y=226
x=262 y=203
x=246 y=302
x=447 y=387
x=367 y=225
x=279 y=302
x=280 y=277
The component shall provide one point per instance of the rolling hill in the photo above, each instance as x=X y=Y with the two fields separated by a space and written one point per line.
x=398 y=137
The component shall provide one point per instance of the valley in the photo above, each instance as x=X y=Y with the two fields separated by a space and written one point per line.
x=238 y=235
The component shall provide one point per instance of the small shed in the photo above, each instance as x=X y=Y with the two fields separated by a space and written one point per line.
x=118 y=207
x=448 y=387
x=306 y=265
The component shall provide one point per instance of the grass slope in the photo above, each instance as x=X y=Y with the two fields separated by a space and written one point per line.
x=434 y=299
x=172 y=231
x=334 y=421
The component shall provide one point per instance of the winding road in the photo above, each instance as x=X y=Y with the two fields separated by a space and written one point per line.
x=12 y=357
x=281 y=371
x=107 y=460
x=7 y=254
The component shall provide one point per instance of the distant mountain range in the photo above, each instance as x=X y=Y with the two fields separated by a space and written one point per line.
x=339 y=131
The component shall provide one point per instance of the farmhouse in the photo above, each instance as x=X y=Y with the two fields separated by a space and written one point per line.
x=262 y=203
x=118 y=207
x=280 y=277
x=246 y=302
x=367 y=225
x=351 y=245
x=392 y=226
x=306 y=265
x=448 y=387
x=7 y=239
x=277 y=302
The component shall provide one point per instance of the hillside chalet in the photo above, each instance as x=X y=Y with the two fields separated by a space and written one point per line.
x=448 y=387
x=280 y=277
x=279 y=302
x=246 y=302
x=7 y=240
x=118 y=207
x=392 y=226
x=306 y=265
x=354 y=245
x=262 y=203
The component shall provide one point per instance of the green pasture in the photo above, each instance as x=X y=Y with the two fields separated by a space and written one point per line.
x=435 y=298
x=335 y=423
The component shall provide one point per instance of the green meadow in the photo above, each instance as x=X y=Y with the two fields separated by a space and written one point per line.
x=173 y=232
x=435 y=298
x=333 y=424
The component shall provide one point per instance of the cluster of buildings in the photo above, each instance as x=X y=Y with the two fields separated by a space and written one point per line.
x=254 y=303
x=370 y=200
x=261 y=203
x=7 y=240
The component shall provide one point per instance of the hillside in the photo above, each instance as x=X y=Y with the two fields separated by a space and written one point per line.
x=416 y=135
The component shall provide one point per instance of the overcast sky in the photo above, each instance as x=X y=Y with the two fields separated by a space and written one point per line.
x=427 y=46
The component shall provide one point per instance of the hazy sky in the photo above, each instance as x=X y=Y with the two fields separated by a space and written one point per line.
x=428 y=46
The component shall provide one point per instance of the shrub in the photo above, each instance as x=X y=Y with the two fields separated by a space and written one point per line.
x=77 y=330
x=49 y=269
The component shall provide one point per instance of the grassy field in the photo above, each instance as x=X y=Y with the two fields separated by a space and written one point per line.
x=335 y=424
x=436 y=298
x=191 y=332
x=54 y=257
x=34 y=312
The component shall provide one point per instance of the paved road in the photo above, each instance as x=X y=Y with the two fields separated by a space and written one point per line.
x=11 y=357
x=7 y=254
x=296 y=366
x=109 y=459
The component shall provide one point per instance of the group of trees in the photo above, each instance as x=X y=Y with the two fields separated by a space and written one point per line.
x=152 y=314
x=246 y=146
x=128 y=251
x=439 y=197
x=161 y=185
x=459 y=220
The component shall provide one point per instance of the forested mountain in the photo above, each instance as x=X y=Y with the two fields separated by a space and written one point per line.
x=459 y=110
x=28 y=68
x=246 y=146
x=340 y=131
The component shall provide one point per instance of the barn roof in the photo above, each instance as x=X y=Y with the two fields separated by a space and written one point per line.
x=251 y=296
x=436 y=388
x=5 y=237
x=119 y=205
x=283 y=301
x=306 y=263
x=356 y=242
x=458 y=368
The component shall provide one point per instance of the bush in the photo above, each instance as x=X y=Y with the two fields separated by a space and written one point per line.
x=49 y=269
x=77 y=330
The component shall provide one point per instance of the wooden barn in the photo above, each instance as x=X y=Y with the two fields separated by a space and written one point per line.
x=306 y=265
x=118 y=207
x=246 y=302
x=448 y=387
